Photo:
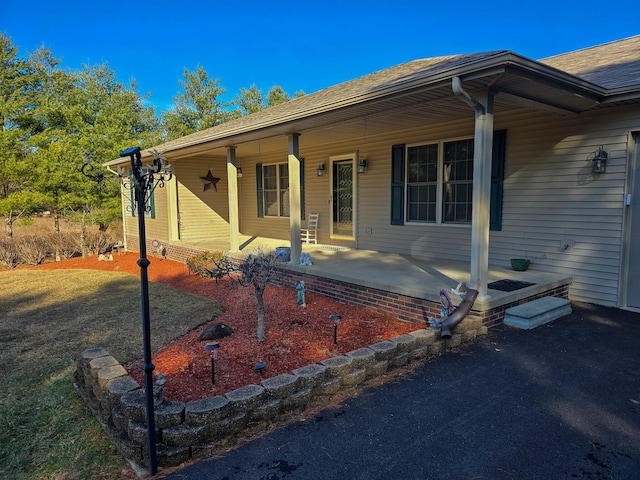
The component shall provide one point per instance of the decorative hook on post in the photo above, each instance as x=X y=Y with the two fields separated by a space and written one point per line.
x=89 y=171
x=143 y=179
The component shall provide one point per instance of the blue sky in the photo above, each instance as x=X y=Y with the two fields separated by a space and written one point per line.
x=299 y=45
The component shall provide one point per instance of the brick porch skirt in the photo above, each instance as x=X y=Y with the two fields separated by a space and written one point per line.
x=400 y=306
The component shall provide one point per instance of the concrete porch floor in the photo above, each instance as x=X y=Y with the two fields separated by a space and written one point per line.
x=412 y=276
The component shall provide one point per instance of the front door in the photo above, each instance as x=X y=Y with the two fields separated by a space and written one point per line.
x=633 y=241
x=342 y=213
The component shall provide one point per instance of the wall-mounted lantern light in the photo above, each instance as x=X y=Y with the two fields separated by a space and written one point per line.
x=320 y=170
x=239 y=172
x=599 y=161
x=362 y=164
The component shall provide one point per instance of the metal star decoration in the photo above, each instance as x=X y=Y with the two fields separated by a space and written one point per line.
x=210 y=181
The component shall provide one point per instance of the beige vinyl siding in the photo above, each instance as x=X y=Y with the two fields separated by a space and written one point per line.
x=203 y=214
x=551 y=196
x=429 y=240
x=155 y=228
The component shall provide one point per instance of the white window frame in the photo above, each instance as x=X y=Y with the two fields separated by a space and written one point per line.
x=440 y=184
x=282 y=193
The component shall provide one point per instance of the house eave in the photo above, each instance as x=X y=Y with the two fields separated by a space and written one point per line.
x=535 y=83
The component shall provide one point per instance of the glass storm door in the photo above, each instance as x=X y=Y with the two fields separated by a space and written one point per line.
x=342 y=212
x=633 y=203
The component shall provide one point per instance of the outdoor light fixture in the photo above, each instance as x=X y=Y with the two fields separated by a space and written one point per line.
x=214 y=353
x=335 y=318
x=599 y=161
x=143 y=180
x=239 y=172
x=362 y=164
x=320 y=170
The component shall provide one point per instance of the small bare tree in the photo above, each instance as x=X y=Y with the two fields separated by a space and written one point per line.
x=256 y=270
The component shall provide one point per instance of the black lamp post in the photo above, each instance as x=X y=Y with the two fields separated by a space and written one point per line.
x=144 y=179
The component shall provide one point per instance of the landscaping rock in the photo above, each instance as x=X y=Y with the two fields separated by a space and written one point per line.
x=172 y=457
x=169 y=414
x=184 y=435
x=384 y=350
x=105 y=375
x=116 y=388
x=245 y=398
x=311 y=376
x=354 y=378
x=338 y=366
x=207 y=410
x=134 y=406
x=424 y=337
x=266 y=411
x=405 y=342
x=377 y=369
x=362 y=357
x=298 y=400
x=97 y=364
x=280 y=386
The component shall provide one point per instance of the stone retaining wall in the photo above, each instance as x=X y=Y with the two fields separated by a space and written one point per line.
x=194 y=429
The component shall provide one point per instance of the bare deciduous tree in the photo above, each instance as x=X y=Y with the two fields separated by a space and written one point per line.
x=256 y=270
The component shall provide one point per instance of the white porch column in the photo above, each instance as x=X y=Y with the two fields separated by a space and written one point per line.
x=172 y=208
x=294 y=196
x=232 y=180
x=483 y=146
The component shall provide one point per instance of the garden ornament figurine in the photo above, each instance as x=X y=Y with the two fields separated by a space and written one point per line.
x=301 y=292
x=305 y=259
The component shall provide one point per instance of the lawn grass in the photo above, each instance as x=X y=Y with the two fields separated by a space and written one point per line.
x=47 y=317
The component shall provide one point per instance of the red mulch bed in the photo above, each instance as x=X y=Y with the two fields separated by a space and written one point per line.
x=296 y=336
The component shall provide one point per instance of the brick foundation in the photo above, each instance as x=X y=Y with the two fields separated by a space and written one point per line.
x=400 y=306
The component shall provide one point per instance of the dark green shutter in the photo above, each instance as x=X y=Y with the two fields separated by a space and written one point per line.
x=152 y=204
x=397 y=185
x=497 y=178
x=302 y=189
x=132 y=198
x=259 y=190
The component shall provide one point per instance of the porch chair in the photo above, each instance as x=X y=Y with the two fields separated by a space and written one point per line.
x=308 y=234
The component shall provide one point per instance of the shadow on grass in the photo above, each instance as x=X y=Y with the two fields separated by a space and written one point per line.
x=48 y=318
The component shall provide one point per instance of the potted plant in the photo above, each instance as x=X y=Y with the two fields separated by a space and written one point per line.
x=520 y=264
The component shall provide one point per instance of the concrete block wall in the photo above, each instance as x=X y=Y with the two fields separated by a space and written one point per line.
x=194 y=429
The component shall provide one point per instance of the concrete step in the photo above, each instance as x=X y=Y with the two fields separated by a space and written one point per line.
x=537 y=312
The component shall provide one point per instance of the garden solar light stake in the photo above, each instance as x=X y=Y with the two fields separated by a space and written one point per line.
x=214 y=352
x=336 y=319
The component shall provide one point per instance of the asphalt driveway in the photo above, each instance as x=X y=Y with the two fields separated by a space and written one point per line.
x=558 y=402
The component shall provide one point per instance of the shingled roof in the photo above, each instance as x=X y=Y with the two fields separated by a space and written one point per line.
x=614 y=65
x=612 y=68
x=350 y=92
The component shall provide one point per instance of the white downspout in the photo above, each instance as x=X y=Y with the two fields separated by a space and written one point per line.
x=480 y=218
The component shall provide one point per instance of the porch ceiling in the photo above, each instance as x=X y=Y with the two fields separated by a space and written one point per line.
x=419 y=107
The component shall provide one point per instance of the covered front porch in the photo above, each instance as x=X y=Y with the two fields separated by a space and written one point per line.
x=403 y=285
